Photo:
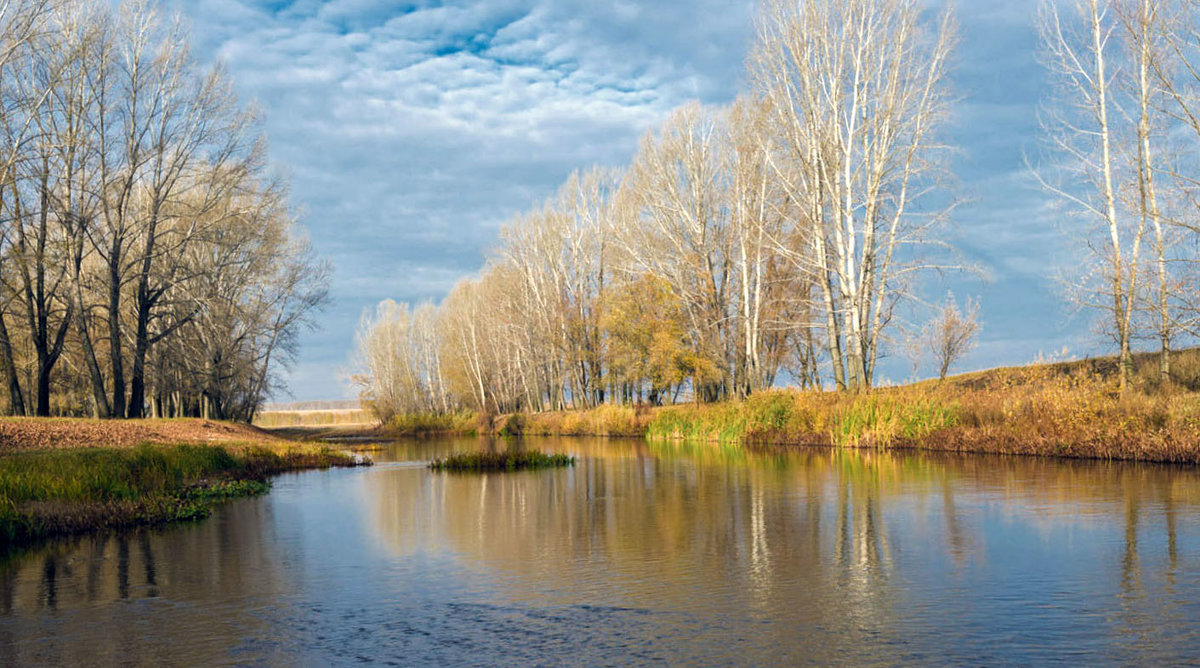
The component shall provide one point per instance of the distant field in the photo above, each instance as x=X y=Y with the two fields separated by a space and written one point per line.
x=313 y=418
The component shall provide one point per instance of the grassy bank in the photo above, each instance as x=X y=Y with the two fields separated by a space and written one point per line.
x=1070 y=410
x=62 y=490
x=1067 y=409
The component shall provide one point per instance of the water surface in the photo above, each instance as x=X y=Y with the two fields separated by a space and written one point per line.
x=641 y=554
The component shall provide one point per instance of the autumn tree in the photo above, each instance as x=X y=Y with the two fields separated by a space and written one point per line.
x=677 y=228
x=645 y=324
x=139 y=229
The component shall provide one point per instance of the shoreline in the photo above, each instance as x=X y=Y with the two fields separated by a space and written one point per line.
x=1057 y=411
x=69 y=476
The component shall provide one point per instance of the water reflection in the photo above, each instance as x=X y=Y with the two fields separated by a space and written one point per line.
x=677 y=553
x=860 y=538
x=142 y=597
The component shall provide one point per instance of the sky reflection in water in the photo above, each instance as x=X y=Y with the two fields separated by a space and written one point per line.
x=642 y=553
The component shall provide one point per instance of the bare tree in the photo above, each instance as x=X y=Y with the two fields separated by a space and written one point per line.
x=857 y=91
x=759 y=210
x=128 y=180
x=1144 y=32
x=1121 y=108
x=699 y=267
x=951 y=333
x=51 y=189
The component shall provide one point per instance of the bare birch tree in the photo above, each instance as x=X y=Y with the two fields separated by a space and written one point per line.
x=1080 y=127
x=759 y=210
x=857 y=92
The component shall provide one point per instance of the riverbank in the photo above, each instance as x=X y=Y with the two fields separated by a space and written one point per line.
x=1069 y=409
x=65 y=476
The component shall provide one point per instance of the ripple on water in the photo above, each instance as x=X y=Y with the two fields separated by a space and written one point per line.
x=641 y=554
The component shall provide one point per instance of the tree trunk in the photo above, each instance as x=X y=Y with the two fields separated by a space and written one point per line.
x=96 y=377
x=16 y=400
x=114 y=339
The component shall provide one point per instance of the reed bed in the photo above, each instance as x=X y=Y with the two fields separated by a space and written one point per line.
x=421 y=424
x=605 y=420
x=500 y=461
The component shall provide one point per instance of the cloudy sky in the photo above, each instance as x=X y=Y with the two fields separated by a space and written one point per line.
x=412 y=130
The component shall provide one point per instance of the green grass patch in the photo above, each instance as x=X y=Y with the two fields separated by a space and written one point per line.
x=228 y=489
x=53 y=492
x=888 y=420
x=500 y=461
x=787 y=416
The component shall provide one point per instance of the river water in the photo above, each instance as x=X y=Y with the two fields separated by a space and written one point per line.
x=641 y=554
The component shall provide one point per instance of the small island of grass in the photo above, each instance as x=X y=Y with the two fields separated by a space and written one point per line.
x=500 y=461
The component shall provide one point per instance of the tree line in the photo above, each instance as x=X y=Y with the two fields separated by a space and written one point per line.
x=776 y=235
x=149 y=261
x=786 y=234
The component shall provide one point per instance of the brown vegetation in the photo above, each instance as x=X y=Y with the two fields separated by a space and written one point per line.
x=315 y=418
x=1070 y=409
x=19 y=434
x=1067 y=409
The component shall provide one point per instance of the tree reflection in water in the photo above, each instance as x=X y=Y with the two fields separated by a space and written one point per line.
x=671 y=552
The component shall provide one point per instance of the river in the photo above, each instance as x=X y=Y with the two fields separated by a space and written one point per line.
x=641 y=554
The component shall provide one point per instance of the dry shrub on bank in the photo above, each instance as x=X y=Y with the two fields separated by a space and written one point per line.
x=606 y=420
x=419 y=424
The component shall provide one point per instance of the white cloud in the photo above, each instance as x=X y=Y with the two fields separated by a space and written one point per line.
x=413 y=132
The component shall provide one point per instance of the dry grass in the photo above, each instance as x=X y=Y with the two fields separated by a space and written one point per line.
x=464 y=422
x=1066 y=409
x=314 y=418
x=1071 y=410
x=606 y=420
x=19 y=434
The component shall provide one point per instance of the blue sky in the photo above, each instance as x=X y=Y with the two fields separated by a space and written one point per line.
x=412 y=130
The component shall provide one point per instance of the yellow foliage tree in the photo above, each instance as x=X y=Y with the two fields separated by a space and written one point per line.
x=644 y=322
